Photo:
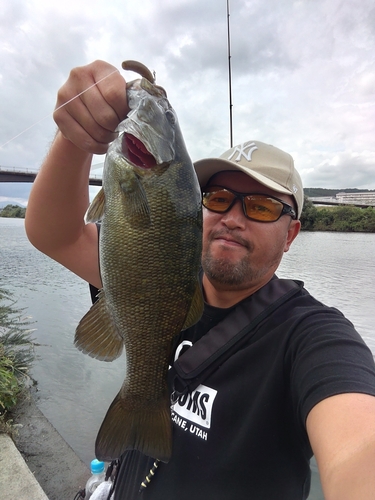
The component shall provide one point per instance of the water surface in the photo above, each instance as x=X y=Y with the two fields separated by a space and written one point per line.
x=75 y=390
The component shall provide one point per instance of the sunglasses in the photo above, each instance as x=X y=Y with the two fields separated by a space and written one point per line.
x=258 y=207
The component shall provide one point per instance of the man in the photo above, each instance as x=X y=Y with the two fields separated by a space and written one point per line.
x=305 y=383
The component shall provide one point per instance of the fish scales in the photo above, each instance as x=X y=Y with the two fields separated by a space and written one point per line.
x=149 y=250
x=148 y=302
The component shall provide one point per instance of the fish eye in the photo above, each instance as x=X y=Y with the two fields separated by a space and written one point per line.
x=170 y=116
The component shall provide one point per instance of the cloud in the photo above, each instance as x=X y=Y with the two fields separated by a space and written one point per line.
x=14 y=192
x=303 y=74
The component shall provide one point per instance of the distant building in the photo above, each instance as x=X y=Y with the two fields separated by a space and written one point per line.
x=367 y=198
x=359 y=199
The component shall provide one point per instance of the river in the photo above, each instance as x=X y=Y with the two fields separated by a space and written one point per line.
x=74 y=391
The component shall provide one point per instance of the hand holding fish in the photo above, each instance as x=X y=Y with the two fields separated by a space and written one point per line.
x=96 y=103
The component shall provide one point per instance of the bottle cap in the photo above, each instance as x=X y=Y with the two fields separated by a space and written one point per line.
x=96 y=466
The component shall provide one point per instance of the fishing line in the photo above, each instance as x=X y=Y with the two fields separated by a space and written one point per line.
x=62 y=105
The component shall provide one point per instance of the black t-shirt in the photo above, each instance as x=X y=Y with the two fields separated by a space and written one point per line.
x=241 y=434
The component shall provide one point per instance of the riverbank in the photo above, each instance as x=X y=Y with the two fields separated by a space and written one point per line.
x=52 y=462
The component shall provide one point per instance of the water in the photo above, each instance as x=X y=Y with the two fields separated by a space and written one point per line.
x=75 y=390
x=339 y=270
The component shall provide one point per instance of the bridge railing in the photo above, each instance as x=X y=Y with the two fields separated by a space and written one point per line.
x=18 y=170
x=27 y=172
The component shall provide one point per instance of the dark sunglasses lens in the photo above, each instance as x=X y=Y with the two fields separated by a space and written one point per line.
x=218 y=200
x=263 y=208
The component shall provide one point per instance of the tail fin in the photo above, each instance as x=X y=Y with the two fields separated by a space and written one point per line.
x=129 y=426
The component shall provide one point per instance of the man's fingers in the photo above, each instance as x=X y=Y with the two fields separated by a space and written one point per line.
x=90 y=105
x=113 y=90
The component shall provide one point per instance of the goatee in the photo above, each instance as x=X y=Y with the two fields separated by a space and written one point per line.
x=224 y=272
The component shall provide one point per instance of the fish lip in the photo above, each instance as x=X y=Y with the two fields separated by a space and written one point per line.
x=136 y=152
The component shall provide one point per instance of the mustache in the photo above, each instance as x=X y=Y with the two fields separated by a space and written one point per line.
x=232 y=235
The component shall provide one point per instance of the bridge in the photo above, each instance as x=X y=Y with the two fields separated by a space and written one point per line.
x=362 y=200
x=16 y=174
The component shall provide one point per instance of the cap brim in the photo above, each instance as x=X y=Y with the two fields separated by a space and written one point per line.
x=208 y=167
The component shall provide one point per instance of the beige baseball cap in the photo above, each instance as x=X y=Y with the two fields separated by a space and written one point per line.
x=268 y=165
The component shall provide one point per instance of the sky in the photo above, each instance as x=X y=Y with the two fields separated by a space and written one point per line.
x=302 y=73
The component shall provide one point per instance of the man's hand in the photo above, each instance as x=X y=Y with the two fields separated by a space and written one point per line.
x=89 y=121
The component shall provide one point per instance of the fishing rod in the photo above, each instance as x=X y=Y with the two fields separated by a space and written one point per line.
x=230 y=80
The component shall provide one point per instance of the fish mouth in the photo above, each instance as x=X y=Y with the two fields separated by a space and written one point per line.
x=136 y=152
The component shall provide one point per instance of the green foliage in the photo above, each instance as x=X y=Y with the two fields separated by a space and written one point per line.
x=9 y=384
x=342 y=218
x=13 y=211
x=16 y=351
x=308 y=215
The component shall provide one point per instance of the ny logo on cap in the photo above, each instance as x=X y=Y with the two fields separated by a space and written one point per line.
x=241 y=150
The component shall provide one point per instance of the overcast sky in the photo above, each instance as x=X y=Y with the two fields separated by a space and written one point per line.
x=303 y=75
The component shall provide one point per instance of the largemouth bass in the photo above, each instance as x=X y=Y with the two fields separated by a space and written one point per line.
x=149 y=251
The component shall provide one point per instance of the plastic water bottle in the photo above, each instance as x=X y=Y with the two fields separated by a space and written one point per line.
x=97 y=477
x=102 y=491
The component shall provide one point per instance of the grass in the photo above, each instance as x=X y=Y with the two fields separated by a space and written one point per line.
x=16 y=356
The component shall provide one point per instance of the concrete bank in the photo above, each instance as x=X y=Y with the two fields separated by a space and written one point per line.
x=16 y=479
x=39 y=464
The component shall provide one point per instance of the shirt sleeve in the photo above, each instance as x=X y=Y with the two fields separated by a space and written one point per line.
x=328 y=357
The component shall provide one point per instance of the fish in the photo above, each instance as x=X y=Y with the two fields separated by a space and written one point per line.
x=150 y=245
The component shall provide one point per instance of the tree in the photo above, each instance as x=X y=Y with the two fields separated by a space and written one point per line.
x=308 y=215
x=13 y=211
x=342 y=218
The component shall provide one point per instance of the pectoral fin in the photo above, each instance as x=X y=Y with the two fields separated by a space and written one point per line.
x=196 y=308
x=97 y=335
x=138 y=210
x=95 y=211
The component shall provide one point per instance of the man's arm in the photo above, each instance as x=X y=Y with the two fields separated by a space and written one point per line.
x=341 y=430
x=60 y=197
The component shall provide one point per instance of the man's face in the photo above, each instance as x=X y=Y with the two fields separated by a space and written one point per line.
x=239 y=253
